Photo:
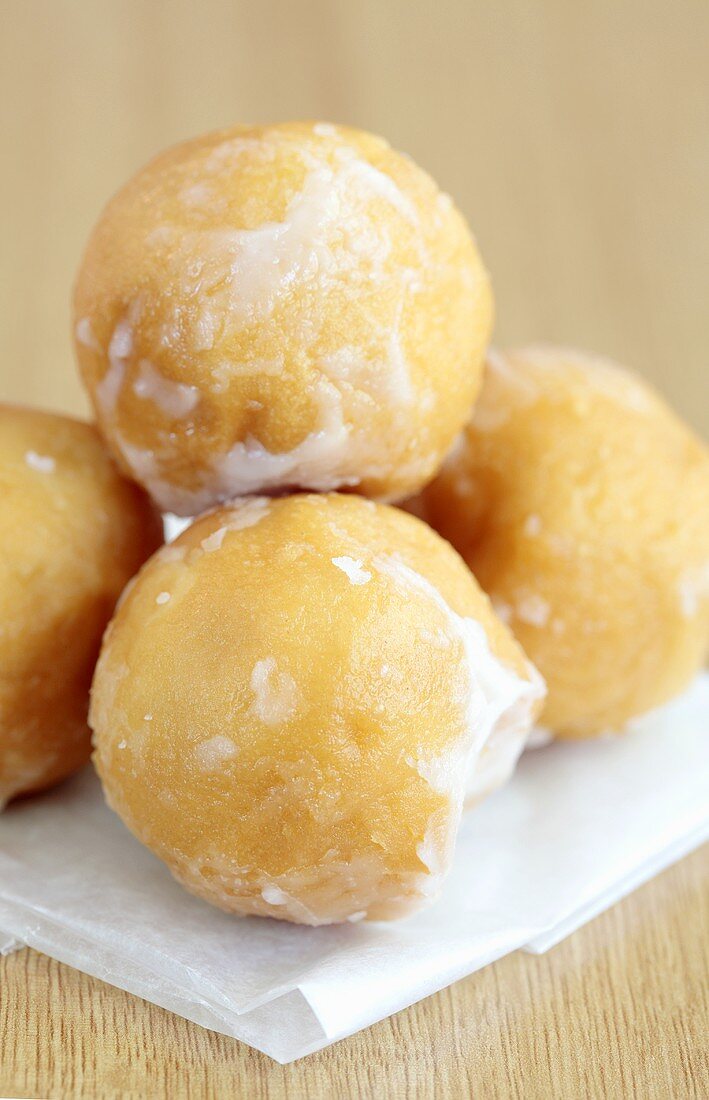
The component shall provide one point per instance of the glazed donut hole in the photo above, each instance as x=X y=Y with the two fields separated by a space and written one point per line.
x=294 y=700
x=581 y=503
x=72 y=532
x=284 y=307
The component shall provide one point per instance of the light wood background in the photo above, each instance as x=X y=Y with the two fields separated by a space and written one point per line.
x=576 y=139
x=574 y=136
x=618 y=1011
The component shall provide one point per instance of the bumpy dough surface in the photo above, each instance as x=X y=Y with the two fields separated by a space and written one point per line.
x=293 y=701
x=581 y=503
x=284 y=306
x=72 y=532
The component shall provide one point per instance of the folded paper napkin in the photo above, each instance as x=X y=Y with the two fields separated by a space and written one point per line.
x=579 y=825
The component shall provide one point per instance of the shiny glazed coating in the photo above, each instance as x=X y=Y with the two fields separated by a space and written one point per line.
x=581 y=503
x=278 y=307
x=72 y=532
x=293 y=700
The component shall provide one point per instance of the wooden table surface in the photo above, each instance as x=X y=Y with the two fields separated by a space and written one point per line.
x=574 y=137
x=620 y=1009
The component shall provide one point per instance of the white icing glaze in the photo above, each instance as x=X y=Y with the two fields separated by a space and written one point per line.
x=323 y=460
x=121 y=345
x=196 y=194
x=434 y=852
x=329 y=238
x=228 y=153
x=533 y=609
x=211 y=754
x=498 y=709
x=383 y=376
x=215 y=540
x=241 y=274
x=327 y=235
x=173 y=553
x=146 y=469
x=275 y=693
x=338 y=888
x=539 y=737
x=274 y=895
x=379 y=184
x=246 y=513
x=162 y=597
x=120 y=349
x=44 y=464
x=693 y=589
x=85 y=334
x=352 y=569
x=502 y=609
x=174 y=399
x=143 y=463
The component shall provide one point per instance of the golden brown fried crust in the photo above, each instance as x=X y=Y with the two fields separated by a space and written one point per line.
x=72 y=532
x=281 y=307
x=581 y=503
x=291 y=700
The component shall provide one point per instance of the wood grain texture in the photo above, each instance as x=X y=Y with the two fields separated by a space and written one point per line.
x=574 y=137
x=620 y=1009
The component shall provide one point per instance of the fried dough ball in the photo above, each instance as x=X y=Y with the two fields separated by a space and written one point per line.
x=72 y=532
x=279 y=307
x=293 y=700
x=581 y=503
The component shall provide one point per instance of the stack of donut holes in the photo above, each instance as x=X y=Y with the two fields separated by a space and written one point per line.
x=283 y=332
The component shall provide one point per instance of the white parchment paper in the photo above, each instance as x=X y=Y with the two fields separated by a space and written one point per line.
x=578 y=826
